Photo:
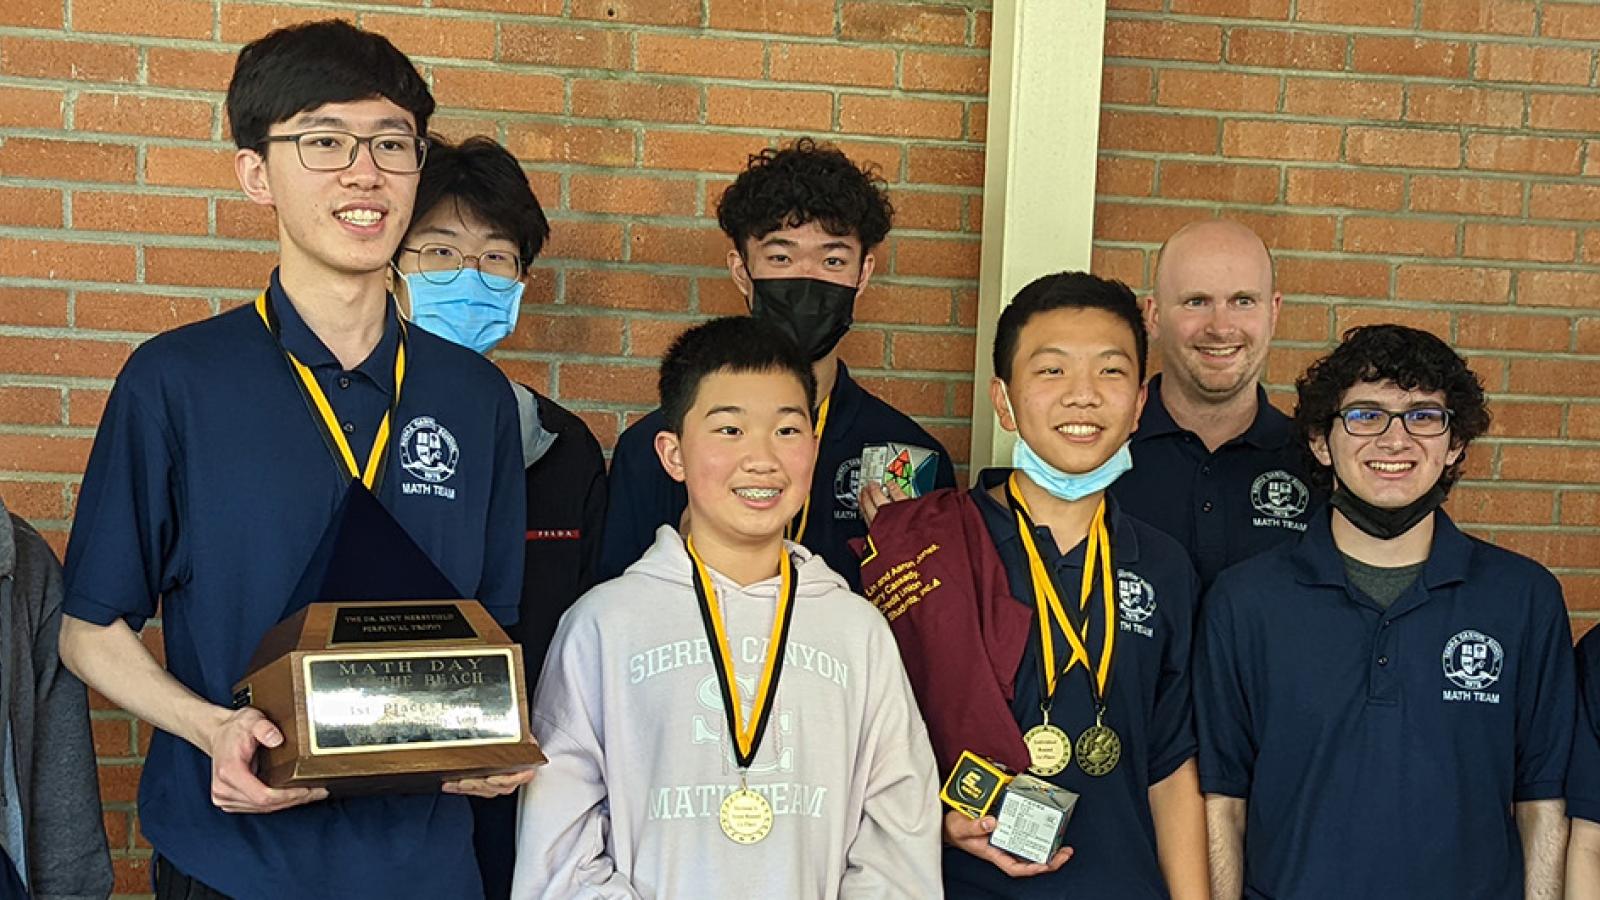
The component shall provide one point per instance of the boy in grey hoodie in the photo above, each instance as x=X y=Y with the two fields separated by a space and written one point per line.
x=817 y=779
x=51 y=831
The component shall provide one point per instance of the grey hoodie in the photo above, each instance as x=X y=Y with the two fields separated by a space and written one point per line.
x=630 y=713
x=51 y=794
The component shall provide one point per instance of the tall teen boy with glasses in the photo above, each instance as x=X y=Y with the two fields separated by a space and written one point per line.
x=211 y=482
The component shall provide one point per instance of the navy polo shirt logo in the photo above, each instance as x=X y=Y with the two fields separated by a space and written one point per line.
x=1280 y=498
x=1472 y=662
x=429 y=453
x=1137 y=600
x=847 y=488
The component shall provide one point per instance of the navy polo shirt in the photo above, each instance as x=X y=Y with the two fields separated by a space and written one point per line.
x=1583 y=771
x=1226 y=506
x=1381 y=750
x=209 y=487
x=1148 y=705
x=643 y=497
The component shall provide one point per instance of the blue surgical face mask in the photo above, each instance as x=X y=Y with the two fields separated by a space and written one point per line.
x=469 y=310
x=1067 y=485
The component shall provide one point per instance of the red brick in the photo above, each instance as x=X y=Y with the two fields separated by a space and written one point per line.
x=1190 y=89
x=643 y=12
x=832 y=65
x=784 y=109
x=1558 y=288
x=1277 y=10
x=532 y=373
x=32 y=306
x=64 y=357
x=676 y=245
x=942 y=352
x=1126 y=265
x=912 y=396
x=1217 y=181
x=1573 y=21
x=1404 y=147
x=611 y=383
x=1343 y=98
x=1581 y=508
x=944 y=72
x=1456 y=105
x=698 y=151
x=1140 y=222
x=1539 y=65
x=885 y=157
x=1506 y=152
x=1126 y=84
x=1500 y=331
x=936 y=257
x=900 y=117
x=571 y=144
x=1571 y=465
x=1432 y=321
x=1523 y=242
x=514 y=7
x=719 y=297
x=1163 y=40
x=1279 y=49
x=1526 y=419
x=889 y=23
x=927 y=210
x=1382 y=13
x=112 y=737
x=429 y=35
x=499 y=89
x=68 y=60
x=30 y=207
x=863 y=348
x=27 y=258
x=153 y=213
x=946 y=165
x=1280 y=140
x=1564 y=201
x=137 y=312
x=1591 y=246
x=134 y=114
x=206 y=70
x=33 y=500
x=1583 y=420
x=1124 y=177
x=246 y=220
x=30 y=405
x=1480 y=16
x=715 y=57
x=1499 y=506
x=1453 y=284
x=86 y=407
x=37 y=453
x=243 y=22
x=567 y=334
x=612 y=289
x=774 y=16
x=190 y=167
x=1471 y=196
x=44 y=158
x=207 y=268
x=169 y=18
x=1563 y=112
x=1331 y=278
x=571 y=239
x=1283 y=231
x=1157 y=132
x=22 y=107
x=32 y=13
x=627 y=195
x=1354 y=189
x=1410 y=56
x=903 y=304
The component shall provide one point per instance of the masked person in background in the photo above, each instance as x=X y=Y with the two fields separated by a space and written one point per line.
x=476 y=228
x=804 y=222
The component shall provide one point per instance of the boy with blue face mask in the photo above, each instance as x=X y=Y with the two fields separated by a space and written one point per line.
x=476 y=229
x=1047 y=630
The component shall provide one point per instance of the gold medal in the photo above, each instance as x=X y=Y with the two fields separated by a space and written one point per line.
x=746 y=816
x=1099 y=750
x=1049 y=749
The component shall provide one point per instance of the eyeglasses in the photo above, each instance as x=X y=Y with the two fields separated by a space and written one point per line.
x=1424 y=421
x=441 y=263
x=333 y=151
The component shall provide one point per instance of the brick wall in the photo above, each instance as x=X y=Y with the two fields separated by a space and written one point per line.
x=1420 y=160
x=120 y=215
x=1432 y=162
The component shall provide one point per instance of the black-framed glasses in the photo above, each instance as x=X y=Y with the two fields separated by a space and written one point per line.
x=333 y=151
x=499 y=270
x=1367 y=421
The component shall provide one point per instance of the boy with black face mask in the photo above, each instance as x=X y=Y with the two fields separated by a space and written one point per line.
x=1385 y=690
x=804 y=221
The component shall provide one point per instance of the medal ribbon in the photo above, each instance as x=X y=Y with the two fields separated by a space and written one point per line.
x=1048 y=602
x=746 y=736
x=322 y=410
x=791 y=532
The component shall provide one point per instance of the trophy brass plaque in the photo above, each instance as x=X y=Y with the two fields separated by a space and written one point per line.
x=390 y=697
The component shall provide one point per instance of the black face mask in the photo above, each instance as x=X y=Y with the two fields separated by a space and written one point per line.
x=1383 y=523
x=816 y=313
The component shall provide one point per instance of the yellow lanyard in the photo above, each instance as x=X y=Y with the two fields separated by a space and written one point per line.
x=798 y=535
x=746 y=735
x=1048 y=602
x=330 y=422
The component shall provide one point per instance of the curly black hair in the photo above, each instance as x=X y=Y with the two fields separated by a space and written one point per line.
x=806 y=182
x=1414 y=360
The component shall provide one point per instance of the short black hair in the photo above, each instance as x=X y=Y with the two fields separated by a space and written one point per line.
x=302 y=67
x=730 y=344
x=1067 y=290
x=488 y=180
x=806 y=182
x=1414 y=360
